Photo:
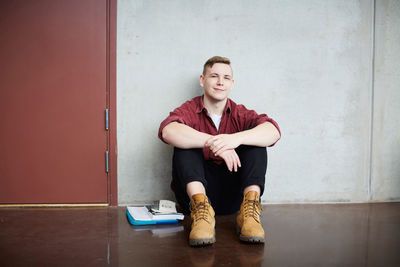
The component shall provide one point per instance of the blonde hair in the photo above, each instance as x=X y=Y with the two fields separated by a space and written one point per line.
x=216 y=59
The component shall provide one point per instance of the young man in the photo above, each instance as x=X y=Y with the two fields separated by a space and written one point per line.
x=220 y=156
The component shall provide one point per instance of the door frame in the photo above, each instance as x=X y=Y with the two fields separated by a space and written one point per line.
x=112 y=183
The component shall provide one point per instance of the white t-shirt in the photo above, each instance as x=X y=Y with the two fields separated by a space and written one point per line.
x=216 y=119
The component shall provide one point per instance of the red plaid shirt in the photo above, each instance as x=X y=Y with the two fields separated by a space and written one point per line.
x=235 y=118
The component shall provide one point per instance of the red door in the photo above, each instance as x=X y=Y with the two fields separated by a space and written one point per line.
x=53 y=98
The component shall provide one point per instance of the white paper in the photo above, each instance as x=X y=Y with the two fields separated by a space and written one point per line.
x=140 y=213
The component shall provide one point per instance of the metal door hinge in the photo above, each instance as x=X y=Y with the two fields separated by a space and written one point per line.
x=107 y=161
x=106 y=119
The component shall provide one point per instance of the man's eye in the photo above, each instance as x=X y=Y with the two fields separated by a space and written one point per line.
x=227 y=78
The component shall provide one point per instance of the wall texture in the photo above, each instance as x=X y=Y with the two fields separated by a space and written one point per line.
x=307 y=64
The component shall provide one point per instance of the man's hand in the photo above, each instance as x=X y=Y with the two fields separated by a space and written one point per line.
x=222 y=142
x=231 y=159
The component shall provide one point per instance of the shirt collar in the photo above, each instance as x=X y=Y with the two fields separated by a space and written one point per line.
x=201 y=107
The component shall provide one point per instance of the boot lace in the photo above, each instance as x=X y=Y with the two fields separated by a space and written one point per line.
x=252 y=208
x=200 y=211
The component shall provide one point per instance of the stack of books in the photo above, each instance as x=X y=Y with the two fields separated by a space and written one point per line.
x=162 y=212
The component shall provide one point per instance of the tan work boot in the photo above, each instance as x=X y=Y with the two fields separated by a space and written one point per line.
x=203 y=221
x=248 y=221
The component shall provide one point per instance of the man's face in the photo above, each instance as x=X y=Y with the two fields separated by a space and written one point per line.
x=217 y=82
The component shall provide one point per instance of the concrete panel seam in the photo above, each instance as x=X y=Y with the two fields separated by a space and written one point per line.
x=372 y=88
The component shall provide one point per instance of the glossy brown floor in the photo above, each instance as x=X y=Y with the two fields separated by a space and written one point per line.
x=297 y=235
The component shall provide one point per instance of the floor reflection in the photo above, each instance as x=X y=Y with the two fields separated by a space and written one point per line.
x=296 y=235
x=162 y=230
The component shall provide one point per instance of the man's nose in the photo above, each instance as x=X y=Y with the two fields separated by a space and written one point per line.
x=220 y=81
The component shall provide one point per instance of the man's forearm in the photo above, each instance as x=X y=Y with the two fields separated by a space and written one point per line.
x=262 y=135
x=183 y=136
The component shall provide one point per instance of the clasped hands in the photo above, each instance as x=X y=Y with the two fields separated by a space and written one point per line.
x=223 y=145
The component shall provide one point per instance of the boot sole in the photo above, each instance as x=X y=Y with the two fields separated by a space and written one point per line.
x=249 y=239
x=203 y=241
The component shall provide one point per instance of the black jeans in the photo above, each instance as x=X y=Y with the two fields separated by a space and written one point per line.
x=224 y=189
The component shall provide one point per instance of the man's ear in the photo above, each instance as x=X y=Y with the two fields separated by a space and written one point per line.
x=201 y=80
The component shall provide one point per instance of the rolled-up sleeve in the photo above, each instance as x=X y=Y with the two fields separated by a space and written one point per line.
x=250 y=119
x=179 y=115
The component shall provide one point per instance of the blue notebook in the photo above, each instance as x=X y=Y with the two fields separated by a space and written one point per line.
x=136 y=222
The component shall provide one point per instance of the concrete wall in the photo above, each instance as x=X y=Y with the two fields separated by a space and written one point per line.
x=307 y=64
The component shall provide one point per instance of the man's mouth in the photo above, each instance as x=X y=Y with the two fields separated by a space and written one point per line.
x=219 y=89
